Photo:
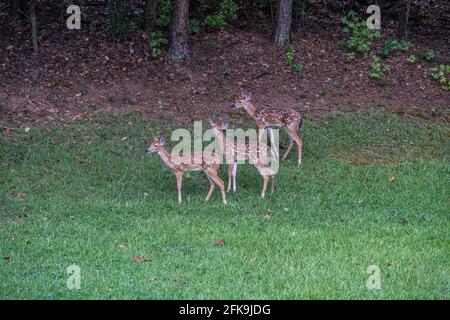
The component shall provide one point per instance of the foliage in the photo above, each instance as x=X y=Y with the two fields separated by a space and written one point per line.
x=157 y=40
x=350 y=56
x=117 y=20
x=227 y=13
x=429 y=55
x=377 y=68
x=361 y=37
x=164 y=14
x=392 y=44
x=194 y=26
x=412 y=58
x=442 y=74
x=290 y=59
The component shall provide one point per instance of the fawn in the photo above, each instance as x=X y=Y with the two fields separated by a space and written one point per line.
x=266 y=117
x=210 y=165
x=244 y=151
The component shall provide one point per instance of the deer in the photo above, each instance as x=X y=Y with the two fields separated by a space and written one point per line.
x=266 y=117
x=210 y=165
x=244 y=151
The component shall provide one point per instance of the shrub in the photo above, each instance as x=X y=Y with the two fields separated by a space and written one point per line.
x=429 y=55
x=227 y=13
x=164 y=14
x=411 y=58
x=442 y=74
x=392 y=44
x=290 y=59
x=361 y=37
x=194 y=26
x=377 y=68
x=157 y=40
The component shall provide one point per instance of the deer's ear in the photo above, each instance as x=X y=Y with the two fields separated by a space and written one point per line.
x=161 y=141
x=225 y=125
x=211 y=122
x=248 y=96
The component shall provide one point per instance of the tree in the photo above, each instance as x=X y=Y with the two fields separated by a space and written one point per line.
x=150 y=15
x=33 y=20
x=403 y=18
x=178 y=48
x=284 y=20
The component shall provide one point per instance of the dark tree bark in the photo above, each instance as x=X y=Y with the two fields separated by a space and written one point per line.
x=178 y=49
x=17 y=8
x=403 y=18
x=150 y=15
x=33 y=20
x=284 y=21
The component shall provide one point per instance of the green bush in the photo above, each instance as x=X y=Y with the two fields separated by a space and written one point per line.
x=157 y=40
x=361 y=37
x=412 y=58
x=377 y=68
x=290 y=59
x=429 y=55
x=227 y=13
x=392 y=44
x=442 y=74
x=194 y=26
x=164 y=15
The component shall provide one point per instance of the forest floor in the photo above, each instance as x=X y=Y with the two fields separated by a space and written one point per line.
x=79 y=72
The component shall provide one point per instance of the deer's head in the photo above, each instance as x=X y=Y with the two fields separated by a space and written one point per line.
x=218 y=127
x=243 y=100
x=157 y=144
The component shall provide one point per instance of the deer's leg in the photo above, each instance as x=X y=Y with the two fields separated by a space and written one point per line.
x=211 y=187
x=265 y=179
x=179 y=176
x=291 y=143
x=234 y=175
x=272 y=142
x=230 y=175
x=260 y=132
x=293 y=134
x=299 y=143
x=215 y=177
x=272 y=185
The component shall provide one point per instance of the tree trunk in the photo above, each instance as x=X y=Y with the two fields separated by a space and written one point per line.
x=17 y=8
x=403 y=18
x=284 y=20
x=150 y=15
x=178 y=49
x=34 y=25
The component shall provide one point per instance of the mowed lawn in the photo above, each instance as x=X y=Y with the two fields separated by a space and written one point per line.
x=373 y=189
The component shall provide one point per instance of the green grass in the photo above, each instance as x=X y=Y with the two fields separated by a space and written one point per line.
x=372 y=189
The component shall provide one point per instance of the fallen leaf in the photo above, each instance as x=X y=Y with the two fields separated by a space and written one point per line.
x=27 y=129
x=7 y=257
x=139 y=259
x=391 y=178
x=123 y=246
x=219 y=243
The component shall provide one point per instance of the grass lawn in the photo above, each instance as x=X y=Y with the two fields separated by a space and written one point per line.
x=373 y=189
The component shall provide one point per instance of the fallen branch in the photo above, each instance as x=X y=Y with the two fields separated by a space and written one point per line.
x=261 y=75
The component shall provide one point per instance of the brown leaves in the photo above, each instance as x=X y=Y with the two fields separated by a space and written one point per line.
x=139 y=259
x=219 y=243
x=14 y=193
